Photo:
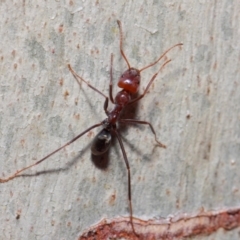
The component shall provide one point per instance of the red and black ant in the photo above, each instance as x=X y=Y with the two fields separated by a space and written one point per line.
x=129 y=82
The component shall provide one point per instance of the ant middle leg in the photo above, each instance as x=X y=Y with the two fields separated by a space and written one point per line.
x=133 y=121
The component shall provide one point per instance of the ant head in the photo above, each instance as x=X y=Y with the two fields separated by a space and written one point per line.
x=130 y=80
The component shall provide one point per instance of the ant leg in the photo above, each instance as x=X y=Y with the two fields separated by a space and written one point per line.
x=149 y=84
x=129 y=177
x=144 y=122
x=111 y=81
x=49 y=155
x=77 y=77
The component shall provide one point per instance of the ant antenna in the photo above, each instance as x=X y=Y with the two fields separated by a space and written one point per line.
x=151 y=64
x=125 y=58
x=121 y=40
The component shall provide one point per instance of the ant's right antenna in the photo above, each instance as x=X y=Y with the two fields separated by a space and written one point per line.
x=121 y=40
x=151 y=64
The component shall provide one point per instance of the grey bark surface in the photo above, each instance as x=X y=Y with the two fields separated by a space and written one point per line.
x=193 y=106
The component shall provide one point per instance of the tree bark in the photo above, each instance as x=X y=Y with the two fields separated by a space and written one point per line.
x=193 y=106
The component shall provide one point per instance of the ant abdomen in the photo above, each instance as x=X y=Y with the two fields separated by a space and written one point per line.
x=101 y=142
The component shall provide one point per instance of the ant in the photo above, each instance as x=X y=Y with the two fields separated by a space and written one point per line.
x=129 y=82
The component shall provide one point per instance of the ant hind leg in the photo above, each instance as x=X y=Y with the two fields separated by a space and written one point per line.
x=16 y=174
x=129 y=177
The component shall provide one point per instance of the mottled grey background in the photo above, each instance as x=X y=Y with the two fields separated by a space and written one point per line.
x=193 y=106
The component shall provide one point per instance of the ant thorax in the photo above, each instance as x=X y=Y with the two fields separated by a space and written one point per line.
x=122 y=98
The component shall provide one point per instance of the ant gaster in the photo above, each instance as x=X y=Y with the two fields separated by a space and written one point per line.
x=129 y=82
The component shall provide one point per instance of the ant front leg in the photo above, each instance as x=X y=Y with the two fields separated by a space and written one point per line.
x=133 y=121
x=77 y=77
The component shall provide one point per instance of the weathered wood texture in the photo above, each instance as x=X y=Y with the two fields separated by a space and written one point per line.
x=193 y=105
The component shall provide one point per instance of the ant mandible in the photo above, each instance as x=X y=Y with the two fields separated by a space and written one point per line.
x=129 y=82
